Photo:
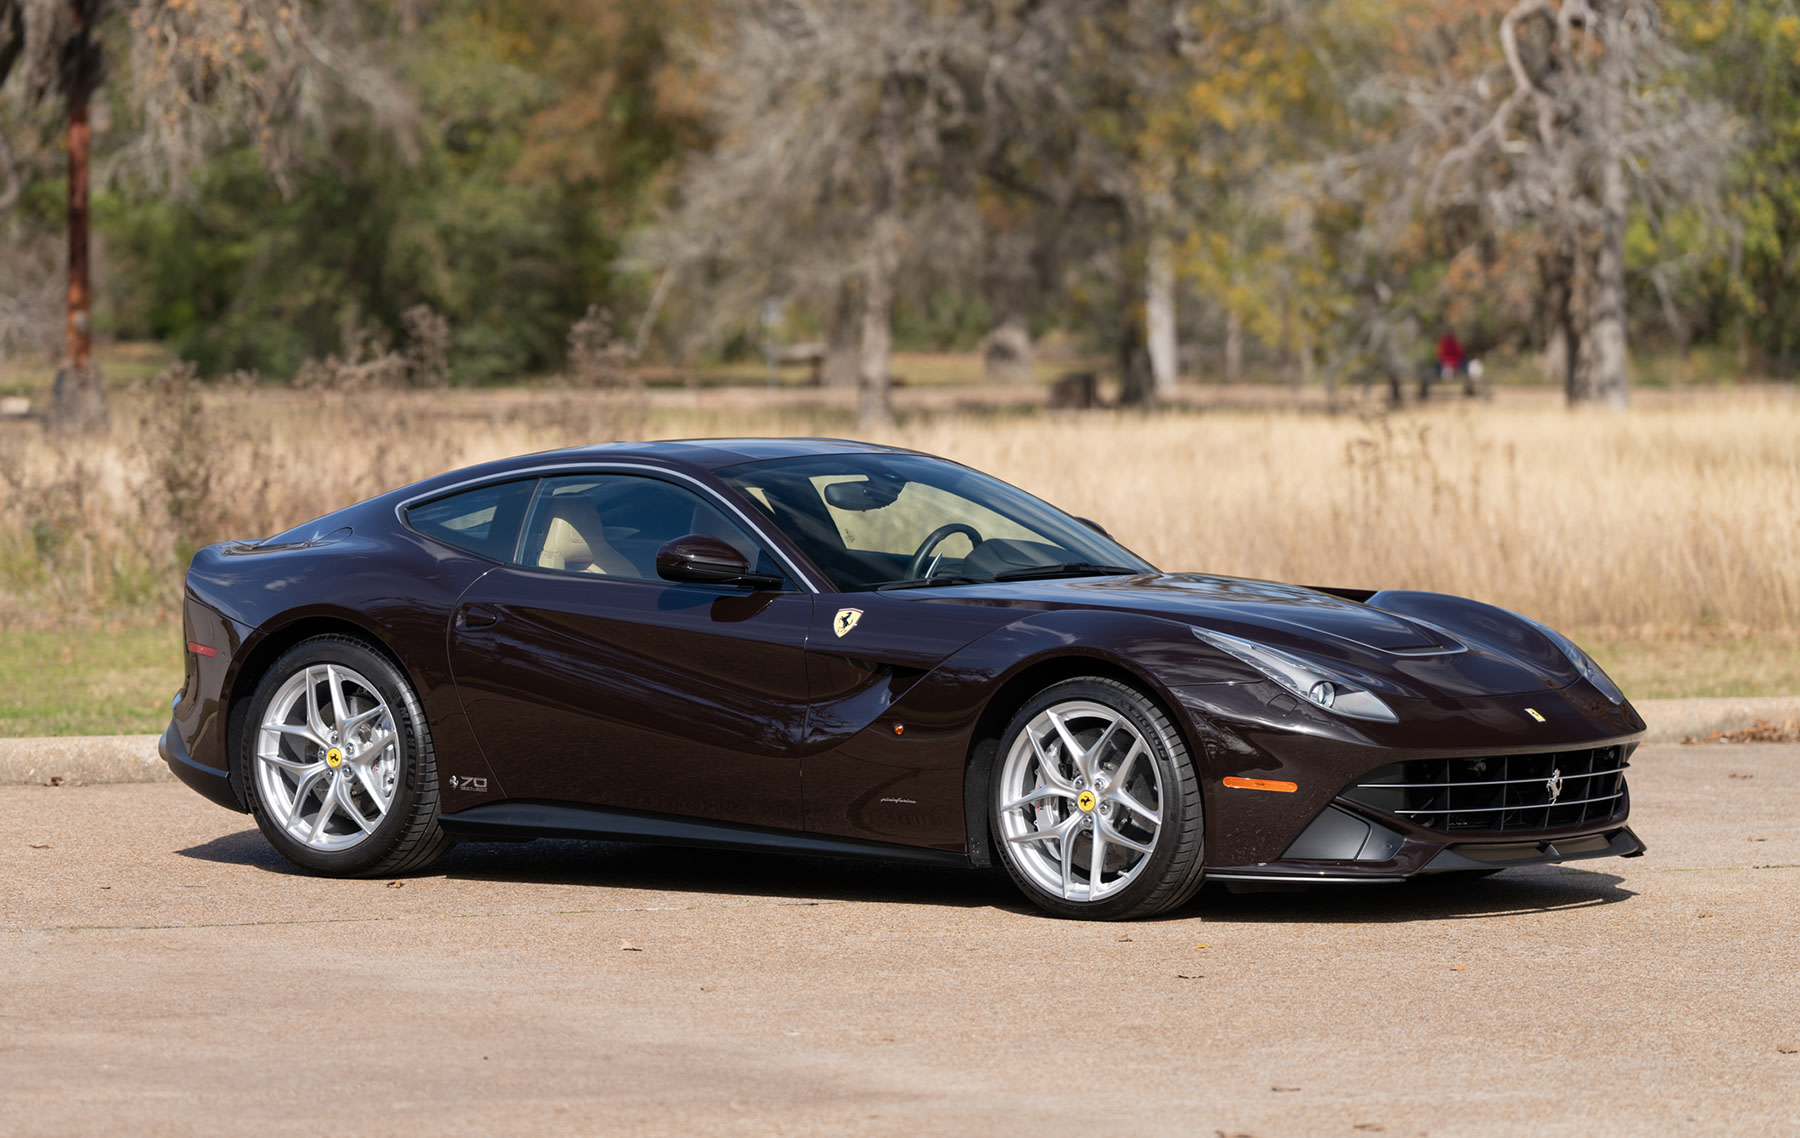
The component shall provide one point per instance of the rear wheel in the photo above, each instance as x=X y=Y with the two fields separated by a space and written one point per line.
x=338 y=763
x=1096 y=805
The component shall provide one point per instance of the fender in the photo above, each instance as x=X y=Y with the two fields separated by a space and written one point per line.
x=905 y=769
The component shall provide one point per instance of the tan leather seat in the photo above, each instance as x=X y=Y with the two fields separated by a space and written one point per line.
x=575 y=540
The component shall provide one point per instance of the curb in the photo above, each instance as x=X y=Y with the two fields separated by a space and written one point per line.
x=89 y=759
x=1672 y=720
x=81 y=759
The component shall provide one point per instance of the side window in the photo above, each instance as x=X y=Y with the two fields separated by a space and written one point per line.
x=484 y=520
x=613 y=524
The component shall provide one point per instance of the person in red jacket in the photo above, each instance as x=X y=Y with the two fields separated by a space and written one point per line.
x=1452 y=360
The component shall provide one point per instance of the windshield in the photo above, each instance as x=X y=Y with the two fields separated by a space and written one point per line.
x=888 y=520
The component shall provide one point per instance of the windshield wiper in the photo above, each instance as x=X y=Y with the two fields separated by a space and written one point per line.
x=1067 y=569
x=927 y=582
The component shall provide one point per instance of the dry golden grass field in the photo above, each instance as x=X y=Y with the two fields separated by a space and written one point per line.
x=1666 y=538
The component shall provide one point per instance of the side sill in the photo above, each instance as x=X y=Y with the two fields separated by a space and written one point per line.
x=503 y=821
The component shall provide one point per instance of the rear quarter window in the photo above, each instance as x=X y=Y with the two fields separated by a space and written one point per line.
x=484 y=520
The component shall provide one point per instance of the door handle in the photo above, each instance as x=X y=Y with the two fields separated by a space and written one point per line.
x=476 y=616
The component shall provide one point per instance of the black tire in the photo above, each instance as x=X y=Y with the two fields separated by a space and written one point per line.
x=1142 y=885
x=407 y=836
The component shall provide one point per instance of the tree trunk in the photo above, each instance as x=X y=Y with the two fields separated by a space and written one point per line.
x=874 y=408
x=874 y=404
x=843 y=361
x=1234 y=346
x=1608 y=380
x=1137 y=387
x=78 y=399
x=1602 y=372
x=1159 y=309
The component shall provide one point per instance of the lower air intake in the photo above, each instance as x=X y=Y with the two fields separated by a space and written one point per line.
x=1499 y=793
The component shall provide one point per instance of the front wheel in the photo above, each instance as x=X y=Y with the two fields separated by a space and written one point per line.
x=338 y=763
x=1096 y=805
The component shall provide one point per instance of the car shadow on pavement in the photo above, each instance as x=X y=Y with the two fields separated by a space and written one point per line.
x=1442 y=898
x=625 y=865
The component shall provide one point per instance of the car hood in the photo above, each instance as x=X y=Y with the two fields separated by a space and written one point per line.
x=1387 y=649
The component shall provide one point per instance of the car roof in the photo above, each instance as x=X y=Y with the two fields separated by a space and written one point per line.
x=692 y=455
x=712 y=454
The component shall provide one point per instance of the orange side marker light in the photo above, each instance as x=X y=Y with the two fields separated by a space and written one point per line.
x=1261 y=784
x=202 y=650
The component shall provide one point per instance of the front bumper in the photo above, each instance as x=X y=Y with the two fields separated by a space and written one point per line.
x=1343 y=845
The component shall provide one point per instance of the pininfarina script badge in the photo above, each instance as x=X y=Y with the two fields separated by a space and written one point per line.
x=846 y=620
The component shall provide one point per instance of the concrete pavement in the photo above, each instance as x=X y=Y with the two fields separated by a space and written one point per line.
x=166 y=974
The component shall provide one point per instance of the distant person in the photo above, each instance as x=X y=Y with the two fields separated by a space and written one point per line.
x=1452 y=359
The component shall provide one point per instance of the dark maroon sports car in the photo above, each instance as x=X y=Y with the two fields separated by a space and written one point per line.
x=837 y=648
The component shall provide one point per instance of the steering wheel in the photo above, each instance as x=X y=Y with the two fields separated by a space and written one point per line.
x=915 y=570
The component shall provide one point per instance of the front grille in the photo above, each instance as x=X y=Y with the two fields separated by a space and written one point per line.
x=1499 y=793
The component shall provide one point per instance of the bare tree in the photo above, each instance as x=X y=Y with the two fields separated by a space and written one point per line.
x=833 y=121
x=1583 y=114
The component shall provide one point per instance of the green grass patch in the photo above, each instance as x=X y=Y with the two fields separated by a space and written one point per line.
x=108 y=679
x=1699 y=665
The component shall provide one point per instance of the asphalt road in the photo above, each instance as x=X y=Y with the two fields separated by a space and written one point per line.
x=164 y=973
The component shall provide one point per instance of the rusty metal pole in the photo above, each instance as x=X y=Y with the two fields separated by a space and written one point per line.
x=79 y=332
x=78 y=397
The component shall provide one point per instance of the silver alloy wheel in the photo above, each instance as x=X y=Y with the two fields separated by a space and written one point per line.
x=327 y=757
x=1081 y=801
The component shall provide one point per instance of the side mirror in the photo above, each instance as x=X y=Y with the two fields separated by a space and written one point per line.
x=701 y=559
x=1094 y=525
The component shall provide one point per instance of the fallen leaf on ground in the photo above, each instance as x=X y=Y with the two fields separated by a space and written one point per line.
x=1702 y=915
x=1459 y=968
x=1370 y=1126
x=55 y=780
x=1788 y=1048
x=1185 y=976
x=627 y=946
x=45 y=846
x=1125 y=939
x=1203 y=946
x=1281 y=1090
x=396 y=885
x=1762 y=731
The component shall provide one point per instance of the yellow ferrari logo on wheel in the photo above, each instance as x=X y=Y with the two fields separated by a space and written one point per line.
x=1086 y=801
x=334 y=758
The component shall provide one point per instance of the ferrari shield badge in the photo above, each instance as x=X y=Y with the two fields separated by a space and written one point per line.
x=845 y=621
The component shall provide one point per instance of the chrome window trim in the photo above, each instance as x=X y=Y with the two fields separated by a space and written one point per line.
x=574 y=468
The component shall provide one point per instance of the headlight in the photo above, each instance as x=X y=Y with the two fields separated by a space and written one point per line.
x=1584 y=663
x=1304 y=678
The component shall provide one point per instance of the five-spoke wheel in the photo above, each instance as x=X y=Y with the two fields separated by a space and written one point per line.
x=327 y=757
x=340 y=769
x=1096 y=807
